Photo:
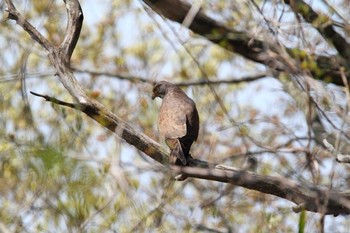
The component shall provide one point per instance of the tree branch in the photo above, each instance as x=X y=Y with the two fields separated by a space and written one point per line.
x=340 y=158
x=108 y=120
x=235 y=41
x=314 y=199
x=59 y=57
x=75 y=22
x=310 y=197
x=324 y=27
x=182 y=84
x=222 y=81
x=94 y=109
x=21 y=21
x=113 y=75
x=176 y=10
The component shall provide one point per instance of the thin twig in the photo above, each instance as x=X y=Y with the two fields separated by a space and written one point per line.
x=57 y=101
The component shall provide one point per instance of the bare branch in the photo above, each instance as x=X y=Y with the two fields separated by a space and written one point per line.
x=239 y=42
x=75 y=22
x=222 y=81
x=183 y=84
x=56 y=101
x=21 y=21
x=340 y=158
x=60 y=59
x=191 y=13
x=113 y=75
x=313 y=198
x=108 y=120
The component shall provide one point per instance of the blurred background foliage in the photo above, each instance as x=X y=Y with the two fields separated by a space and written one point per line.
x=61 y=172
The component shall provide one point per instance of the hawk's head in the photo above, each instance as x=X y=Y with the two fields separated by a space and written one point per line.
x=161 y=88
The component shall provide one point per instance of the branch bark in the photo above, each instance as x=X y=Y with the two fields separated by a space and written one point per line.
x=240 y=42
x=313 y=198
x=60 y=58
x=75 y=22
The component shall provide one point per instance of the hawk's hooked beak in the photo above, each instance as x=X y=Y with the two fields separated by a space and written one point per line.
x=154 y=95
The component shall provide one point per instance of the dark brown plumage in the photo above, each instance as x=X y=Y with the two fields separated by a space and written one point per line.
x=178 y=120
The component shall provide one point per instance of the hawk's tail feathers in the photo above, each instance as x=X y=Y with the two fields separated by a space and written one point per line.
x=177 y=152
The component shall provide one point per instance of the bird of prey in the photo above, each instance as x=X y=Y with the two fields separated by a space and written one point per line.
x=178 y=121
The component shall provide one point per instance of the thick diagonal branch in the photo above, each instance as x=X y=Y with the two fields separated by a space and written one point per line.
x=311 y=197
x=308 y=196
x=110 y=121
x=231 y=40
x=240 y=42
x=60 y=58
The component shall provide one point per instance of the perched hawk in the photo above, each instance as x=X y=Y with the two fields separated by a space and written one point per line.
x=178 y=121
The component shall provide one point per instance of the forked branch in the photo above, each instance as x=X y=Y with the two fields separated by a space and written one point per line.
x=313 y=198
x=60 y=58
